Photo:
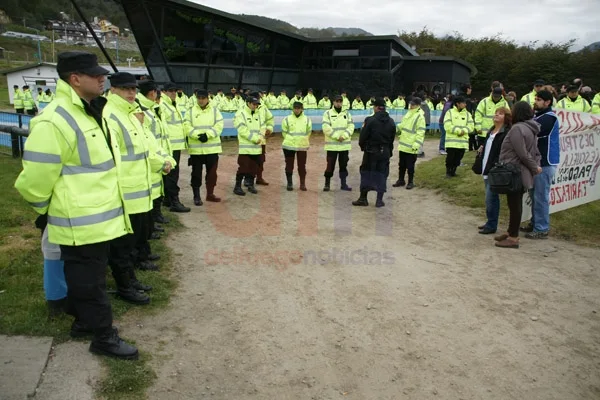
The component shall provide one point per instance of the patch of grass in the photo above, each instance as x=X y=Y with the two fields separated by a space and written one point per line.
x=127 y=380
x=23 y=308
x=579 y=224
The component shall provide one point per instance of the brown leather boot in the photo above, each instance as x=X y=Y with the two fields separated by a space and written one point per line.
x=303 y=182
x=210 y=196
x=259 y=178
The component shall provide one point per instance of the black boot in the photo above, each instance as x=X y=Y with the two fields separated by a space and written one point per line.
x=110 y=344
x=159 y=218
x=166 y=202
x=80 y=330
x=137 y=285
x=448 y=172
x=411 y=184
x=197 y=199
x=379 y=202
x=147 y=266
x=238 y=186
x=453 y=171
x=343 y=176
x=132 y=296
x=327 y=186
x=176 y=206
x=362 y=200
x=400 y=182
x=158 y=228
x=56 y=307
x=290 y=181
x=251 y=187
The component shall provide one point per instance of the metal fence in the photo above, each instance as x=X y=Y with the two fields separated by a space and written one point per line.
x=14 y=129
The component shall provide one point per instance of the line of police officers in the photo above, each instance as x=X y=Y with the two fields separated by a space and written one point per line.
x=95 y=169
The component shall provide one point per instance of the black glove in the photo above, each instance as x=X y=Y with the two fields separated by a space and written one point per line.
x=41 y=222
x=203 y=138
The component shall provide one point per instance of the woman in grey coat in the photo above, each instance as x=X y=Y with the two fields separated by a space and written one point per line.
x=519 y=148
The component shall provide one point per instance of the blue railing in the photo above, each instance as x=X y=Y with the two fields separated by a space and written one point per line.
x=12 y=141
x=316 y=116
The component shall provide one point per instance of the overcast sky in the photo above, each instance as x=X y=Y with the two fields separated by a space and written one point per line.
x=520 y=20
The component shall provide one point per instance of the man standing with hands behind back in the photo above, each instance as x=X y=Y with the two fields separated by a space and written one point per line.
x=71 y=178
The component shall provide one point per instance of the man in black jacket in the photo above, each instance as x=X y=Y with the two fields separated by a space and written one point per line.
x=377 y=142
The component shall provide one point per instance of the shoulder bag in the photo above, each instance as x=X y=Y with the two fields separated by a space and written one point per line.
x=505 y=178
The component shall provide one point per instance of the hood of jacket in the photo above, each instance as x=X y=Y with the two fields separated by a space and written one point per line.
x=382 y=116
x=533 y=125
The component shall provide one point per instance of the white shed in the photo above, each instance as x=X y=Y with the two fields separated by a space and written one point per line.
x=44 y=75
x=35 y=75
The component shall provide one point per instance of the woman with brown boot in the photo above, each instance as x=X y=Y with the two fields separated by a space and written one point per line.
x=519 y=148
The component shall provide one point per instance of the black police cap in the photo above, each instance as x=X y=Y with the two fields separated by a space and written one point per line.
x=169 y=87
x=81 y=62
x=201 y=93
x=123 y=80
x=147 y=86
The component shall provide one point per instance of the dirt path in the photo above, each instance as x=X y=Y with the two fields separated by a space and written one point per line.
x=413 y=305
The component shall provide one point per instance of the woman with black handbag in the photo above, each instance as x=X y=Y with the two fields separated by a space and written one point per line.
x=487 y=157
x=519 y=149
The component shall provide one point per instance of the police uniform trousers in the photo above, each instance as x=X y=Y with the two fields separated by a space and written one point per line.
x=263 y=158
x=407 y=163
x=454 y=157
x=375 y=169
x=289 y=156
x=248 y=165
x=197 y=161
x=85 y=274
x=342 y=157
x=125 y=251
x=142 y=246
x=172 y=178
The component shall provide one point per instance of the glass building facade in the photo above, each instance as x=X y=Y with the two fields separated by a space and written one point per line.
x=200 y=47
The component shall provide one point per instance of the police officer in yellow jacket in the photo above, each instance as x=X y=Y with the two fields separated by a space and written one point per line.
x=484 y=114
x=204 y=125
x=596 y=104
x=457 y=123
x=337 y=129
x=283 y=102
x=71 y=177
x=411 y=134
x=18 y=100
x=574 y=101
x=147 y=98
x=325 y=103
x=28 y=101
x=296 y=129
x=251 y=134
x=137 y=164
x=176 y=131
x=537 y=86
x=310 y=101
